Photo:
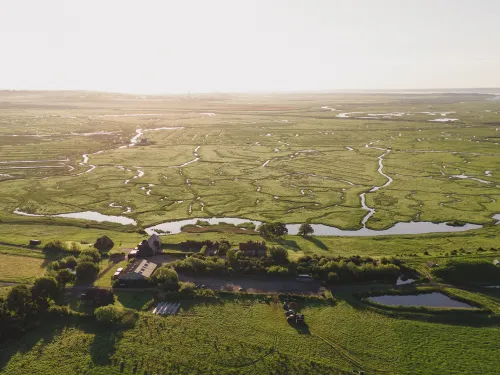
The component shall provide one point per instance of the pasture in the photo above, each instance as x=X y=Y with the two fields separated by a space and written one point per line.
x=23 y=269
x=249 y=335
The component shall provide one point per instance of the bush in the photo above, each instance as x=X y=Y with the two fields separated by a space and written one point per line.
x=109 y=314
x=166 y=278
x=187 y=287
x=279 y=255
x=55 y=247
x=248 y=225
x=224 y=246
x=65 y=276
x=278 y=271
x=256 y=248
x=92 y=254
x=203 y=250
x=202 y=223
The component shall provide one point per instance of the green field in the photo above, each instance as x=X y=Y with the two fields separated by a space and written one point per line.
x=278 y=157
x=14 y=268
x=251 y=336
x=310 y=175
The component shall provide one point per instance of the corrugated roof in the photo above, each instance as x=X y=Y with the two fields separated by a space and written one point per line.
x=143 y=269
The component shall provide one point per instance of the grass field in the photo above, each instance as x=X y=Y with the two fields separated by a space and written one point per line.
x=251 y=336
x=311 y=174
x=20 y=268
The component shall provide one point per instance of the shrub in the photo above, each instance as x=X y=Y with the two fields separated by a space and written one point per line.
x=54 y=247
x=64 y=276
x=279 y=271
x=248 y=225
x=187 y=287
x=203 y=250
x=93 y=254
x=224 y=246
x=109 y=314
x=202 y=223
x=166 y=278
x=255 y=248
x=279 y=255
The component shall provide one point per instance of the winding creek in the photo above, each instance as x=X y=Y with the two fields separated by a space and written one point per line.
x=173 y=227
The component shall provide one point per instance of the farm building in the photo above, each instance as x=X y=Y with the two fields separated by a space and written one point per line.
x=149 y=247
x=137 y=273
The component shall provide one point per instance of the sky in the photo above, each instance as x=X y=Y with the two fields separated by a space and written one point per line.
x=180 y=46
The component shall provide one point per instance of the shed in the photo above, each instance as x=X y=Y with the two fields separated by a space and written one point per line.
x=35 y=242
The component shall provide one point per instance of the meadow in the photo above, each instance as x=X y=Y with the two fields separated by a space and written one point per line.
x=249 y=335
x=282 y=157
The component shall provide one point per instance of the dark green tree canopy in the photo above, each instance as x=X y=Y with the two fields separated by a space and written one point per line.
x=305 y=230
x=273 y=230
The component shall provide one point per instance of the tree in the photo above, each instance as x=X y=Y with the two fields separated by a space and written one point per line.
x=68 y=262
x=64 y=276
x=18 y=300
x=109 y=314
x=279 y=255
x=104 y=244
x=166 y=278
x=305 y=230
x=87 y=271
x=44 y=289
x=92 y=253
x=272 y=230
x=231 y=256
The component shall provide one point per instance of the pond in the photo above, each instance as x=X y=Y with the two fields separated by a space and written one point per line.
x=86 y=215
x=419 y=227
x=435 y=299
x=175 y=226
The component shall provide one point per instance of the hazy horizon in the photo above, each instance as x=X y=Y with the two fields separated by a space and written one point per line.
x=166 y=47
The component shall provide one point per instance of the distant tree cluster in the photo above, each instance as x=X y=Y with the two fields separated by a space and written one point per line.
x=474 y=271
x=195 y=246
x=349 y=269
x=83 y=269
x=252 y=248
